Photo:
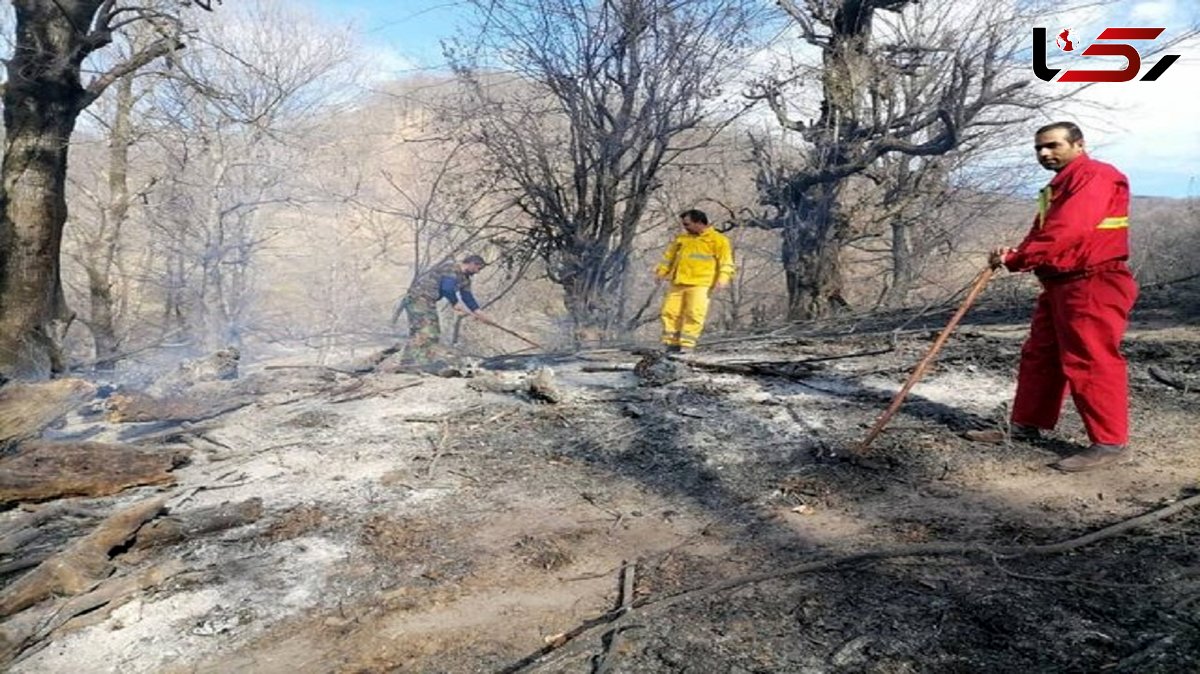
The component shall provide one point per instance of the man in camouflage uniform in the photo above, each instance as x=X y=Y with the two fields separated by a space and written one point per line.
x=450 y=281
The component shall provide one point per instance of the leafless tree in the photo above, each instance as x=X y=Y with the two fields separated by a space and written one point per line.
x=922 y=206
x=43 y=96
x=580 y=106
x=232 y=117
x=895 y=78
x=97 y=227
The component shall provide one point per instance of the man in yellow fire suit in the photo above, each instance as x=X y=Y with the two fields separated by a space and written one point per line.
x=697 y=261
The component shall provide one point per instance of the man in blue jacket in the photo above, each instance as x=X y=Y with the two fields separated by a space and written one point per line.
x=450 y=281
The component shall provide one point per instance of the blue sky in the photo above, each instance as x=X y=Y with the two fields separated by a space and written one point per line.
x=1145 y=128
x=405 y=33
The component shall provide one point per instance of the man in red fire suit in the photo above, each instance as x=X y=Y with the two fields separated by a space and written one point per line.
x=1077 y=247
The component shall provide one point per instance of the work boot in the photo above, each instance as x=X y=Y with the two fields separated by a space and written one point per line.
x=673 y=348
x=1096 y=456
x=996 y=436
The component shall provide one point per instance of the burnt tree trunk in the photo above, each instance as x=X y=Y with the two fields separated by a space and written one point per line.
x=813 y=234
x=42 y=99
x=847 y=138
x=592 y=291
x=818 y=226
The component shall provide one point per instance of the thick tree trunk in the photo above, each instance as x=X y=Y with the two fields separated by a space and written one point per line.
x=593 y=291
x=32 y=212
x=812 y=253
x=586 y=306
x=818 y=226
x=42 y=99
x=814 y=284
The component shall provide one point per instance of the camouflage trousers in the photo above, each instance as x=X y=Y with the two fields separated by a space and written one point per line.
x=424 y=332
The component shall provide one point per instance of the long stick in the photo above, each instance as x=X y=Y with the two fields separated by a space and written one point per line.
x=977 y=287
x=514 y=334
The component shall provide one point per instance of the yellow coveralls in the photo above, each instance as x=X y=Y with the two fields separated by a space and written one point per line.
x=693 y=264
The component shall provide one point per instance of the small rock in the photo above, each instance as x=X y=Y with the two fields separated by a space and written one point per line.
x=542 y=386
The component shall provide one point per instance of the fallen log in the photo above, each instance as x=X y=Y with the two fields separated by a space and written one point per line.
x=26 y=631
x=17 y=534
x=620 y=367
x=112 y=593
x=175 y=528
x=766 y=368
x=28 y=408
x=138 y=407
x=44 y=470
x=372 y=361
x=84 y=564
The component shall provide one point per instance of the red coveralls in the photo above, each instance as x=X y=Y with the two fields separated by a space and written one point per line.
x=1077 y=248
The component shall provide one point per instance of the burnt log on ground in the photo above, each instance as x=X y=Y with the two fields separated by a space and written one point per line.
x=84 y=583
x=139 y=407
x=17 y=533
x=173 y=528
x=372 y=361
x=84 y=564
x=30 y=630
x=26 y=409
x=43 y=470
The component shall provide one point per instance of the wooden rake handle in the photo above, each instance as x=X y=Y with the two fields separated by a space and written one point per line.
x=976 y=288
x=516 y=334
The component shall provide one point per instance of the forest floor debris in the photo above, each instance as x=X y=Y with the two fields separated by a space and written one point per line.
x=379 y=522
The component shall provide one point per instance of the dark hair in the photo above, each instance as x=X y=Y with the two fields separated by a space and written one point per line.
x=695 y=216
x=474 y=259
x=1074 y=135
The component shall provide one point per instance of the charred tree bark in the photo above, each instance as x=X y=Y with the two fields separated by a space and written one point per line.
x=815 y=278
x=812 y=243
x=42 y=99
x=912 y=96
